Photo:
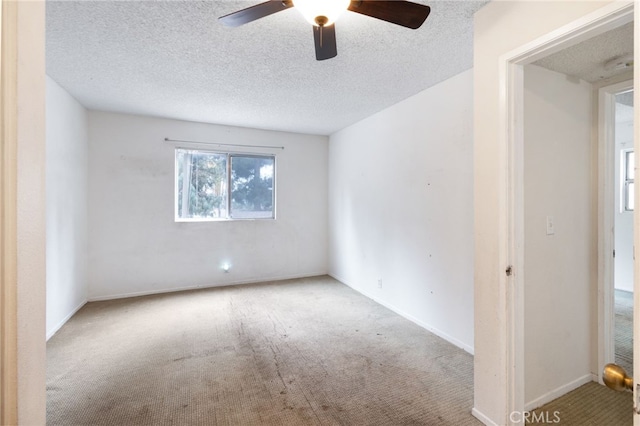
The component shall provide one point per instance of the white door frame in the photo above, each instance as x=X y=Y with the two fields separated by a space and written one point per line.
x=511 y=140
x=8 y=220
x=606 y=221
x=636 y=222
x=22 y=213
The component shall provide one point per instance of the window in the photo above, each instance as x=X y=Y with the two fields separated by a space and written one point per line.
x=628 y=165
x=213 y=185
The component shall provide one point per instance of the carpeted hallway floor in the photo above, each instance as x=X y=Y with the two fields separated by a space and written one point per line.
x=624 y=330
x=299 y=352
x=589 y=405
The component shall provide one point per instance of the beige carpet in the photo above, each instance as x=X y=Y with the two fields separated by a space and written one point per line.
x=589 y=405
x=299 y=352
x=624 y=330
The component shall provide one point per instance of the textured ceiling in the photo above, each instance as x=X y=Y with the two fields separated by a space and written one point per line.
x=174 y=59
x=588 y=60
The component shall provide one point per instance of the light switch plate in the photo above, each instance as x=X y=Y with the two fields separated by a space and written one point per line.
x=551 y=227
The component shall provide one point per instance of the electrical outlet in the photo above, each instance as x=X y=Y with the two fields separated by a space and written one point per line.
x=379 y=282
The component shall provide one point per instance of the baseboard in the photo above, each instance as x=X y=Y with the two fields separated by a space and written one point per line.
x=558 y=392
x=484 y=419
x=196 y=287
x=411 y=318
x=55 y=329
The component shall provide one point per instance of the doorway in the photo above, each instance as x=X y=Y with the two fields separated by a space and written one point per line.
x=514 y=63
x=616 y=171
x=560 y=211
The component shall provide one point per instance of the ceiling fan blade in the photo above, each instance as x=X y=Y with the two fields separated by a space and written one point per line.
x=404 y=13
x=325 y=39
x=252 y=13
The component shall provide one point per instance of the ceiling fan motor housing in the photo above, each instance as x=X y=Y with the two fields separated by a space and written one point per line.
x=321 y=12
x=321 y=20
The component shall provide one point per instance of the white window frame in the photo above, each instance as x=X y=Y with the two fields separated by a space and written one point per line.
x=627 y=182
x=229 y=155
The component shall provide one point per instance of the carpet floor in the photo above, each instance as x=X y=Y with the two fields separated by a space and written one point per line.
x=624 y=330
x=298 y=352
x=589 y=405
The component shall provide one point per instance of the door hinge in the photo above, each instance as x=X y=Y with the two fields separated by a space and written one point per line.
x=509 y=271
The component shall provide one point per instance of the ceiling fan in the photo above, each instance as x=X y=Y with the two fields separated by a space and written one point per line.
x=322 y=14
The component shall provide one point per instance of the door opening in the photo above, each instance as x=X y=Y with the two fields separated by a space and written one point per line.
x=512 y=67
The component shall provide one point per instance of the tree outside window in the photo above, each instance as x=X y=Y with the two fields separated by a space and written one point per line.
x=212 y=185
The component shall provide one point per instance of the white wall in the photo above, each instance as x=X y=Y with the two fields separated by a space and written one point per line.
x=67 y=176
x=623 y=275
x=559 y=282
x=499 y=28
x=136 y=247
x=401 y=208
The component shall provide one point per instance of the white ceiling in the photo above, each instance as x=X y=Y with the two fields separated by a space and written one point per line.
x=174 y=59
x=589 y=60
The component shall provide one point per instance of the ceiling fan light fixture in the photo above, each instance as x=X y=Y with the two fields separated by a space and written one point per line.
x=321 y=12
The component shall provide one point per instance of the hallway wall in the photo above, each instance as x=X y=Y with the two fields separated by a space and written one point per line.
x=559 y=278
